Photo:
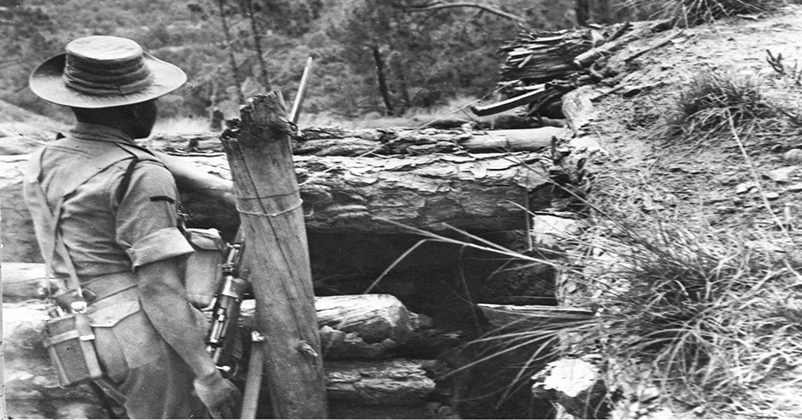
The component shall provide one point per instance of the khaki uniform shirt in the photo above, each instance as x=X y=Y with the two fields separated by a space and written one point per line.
x=109 y=225
x=115 y=207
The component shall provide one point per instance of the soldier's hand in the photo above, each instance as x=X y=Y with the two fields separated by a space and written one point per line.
x=219 y=395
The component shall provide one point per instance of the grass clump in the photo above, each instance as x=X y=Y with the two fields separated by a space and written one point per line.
x=695 y=12
x=709 y=100
x=707 y=314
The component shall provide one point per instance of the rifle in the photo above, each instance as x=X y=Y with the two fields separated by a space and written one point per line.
x=225 y=314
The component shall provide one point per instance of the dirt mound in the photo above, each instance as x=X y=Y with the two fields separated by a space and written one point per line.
x=16 y=121
x=735 y=183
x=711 y=172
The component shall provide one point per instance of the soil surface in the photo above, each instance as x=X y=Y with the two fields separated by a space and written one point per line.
x=700 y=178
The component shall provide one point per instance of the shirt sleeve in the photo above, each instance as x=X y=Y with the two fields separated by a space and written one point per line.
x=147 y=224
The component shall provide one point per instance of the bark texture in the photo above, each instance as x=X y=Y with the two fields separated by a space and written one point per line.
x=387 y=382
x=358 y=194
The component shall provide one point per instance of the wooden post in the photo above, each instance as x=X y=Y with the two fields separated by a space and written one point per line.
x=276 y=257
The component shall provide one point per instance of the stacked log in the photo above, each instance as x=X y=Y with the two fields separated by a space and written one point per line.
x=479 y=181
x=334 y=141
x=542 y=66
x=539 y=56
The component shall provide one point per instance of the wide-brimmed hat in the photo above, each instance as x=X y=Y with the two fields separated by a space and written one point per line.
x=102 y=72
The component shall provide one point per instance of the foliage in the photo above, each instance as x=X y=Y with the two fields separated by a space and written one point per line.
x=426 y=57
x=430 y=57
x=28 y=34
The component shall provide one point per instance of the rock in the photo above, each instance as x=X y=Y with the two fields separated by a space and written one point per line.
x=793 y=155
x=783 y=175
x=745 y=187
x=795 y=187
x=772 y=195
x=576 y=385
x=587 y=144
x=551 y=230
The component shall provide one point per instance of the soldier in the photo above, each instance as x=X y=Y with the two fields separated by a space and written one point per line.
x=110 y=206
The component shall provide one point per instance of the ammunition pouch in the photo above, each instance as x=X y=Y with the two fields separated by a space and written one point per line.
x=113 y=336
x=203 y=272
x=70 y=343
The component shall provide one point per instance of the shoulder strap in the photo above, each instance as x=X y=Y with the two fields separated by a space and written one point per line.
x=139 y=154
x=47 y=231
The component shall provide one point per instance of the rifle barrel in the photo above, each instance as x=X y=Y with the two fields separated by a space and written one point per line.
x=299 y=96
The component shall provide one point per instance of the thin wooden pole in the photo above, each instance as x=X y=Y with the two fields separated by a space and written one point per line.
x=276 y=257
x=3 y=412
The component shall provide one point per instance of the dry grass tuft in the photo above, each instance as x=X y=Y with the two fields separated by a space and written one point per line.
x=695 y=12
x=711 y=98
x=706 y=312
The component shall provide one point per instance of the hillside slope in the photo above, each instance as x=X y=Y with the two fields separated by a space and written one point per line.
x=18 y=121
x=743 y=183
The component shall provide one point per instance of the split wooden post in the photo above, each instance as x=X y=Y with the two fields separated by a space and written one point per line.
x=276 y=257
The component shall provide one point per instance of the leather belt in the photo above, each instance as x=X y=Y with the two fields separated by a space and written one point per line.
x=101 y=287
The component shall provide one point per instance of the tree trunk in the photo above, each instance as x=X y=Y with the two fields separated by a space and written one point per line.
x=582 y=10
x=381 y=75
x=403 y=88
x=257 y=44
x=230 y=47
x=276 y=257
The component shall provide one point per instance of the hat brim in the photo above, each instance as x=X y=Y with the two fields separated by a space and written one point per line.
x=47 y=83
